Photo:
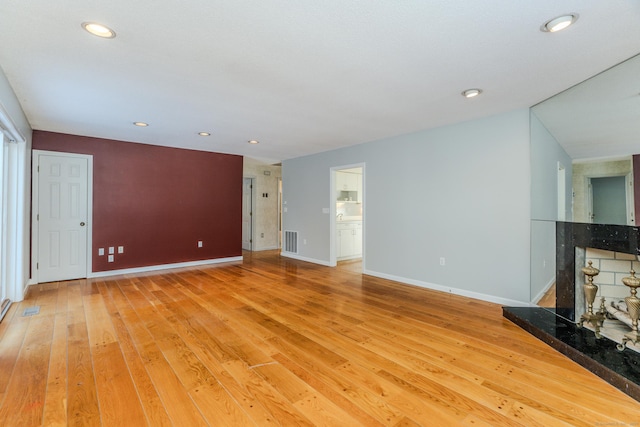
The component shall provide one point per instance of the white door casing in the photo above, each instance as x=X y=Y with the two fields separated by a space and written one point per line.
x=62 y=216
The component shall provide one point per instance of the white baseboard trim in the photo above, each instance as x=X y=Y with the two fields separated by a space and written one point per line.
x=544 y=291
x=301 y=258
x=447 y=289
x=162 y=267
x=347 y=258
x=267 y=248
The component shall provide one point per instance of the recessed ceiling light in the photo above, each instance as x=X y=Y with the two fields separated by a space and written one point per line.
x=559 y=23
x=471 y=93
x=253 y=141
x=99 y=30
x=204 y=133
x=141 y=124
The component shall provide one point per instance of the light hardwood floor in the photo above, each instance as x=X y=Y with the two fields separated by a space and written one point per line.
x=275 y=341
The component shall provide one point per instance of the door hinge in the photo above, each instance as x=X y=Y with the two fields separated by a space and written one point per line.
x=250 y=240
x=37 y=265
x=37 y=217
x=250 y=213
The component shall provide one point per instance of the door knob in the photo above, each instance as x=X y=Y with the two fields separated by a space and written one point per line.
x=82 y=224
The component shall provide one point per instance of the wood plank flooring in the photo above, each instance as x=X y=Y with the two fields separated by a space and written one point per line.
x=273 y=341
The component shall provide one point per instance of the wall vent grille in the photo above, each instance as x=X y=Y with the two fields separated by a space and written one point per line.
x=291 y=241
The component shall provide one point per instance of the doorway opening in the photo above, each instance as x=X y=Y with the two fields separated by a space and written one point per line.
x=562 y=192
x=609 y=200
x=248 y=202
x=279 y=213
x=347 y=201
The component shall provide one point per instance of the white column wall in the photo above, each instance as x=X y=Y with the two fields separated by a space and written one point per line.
x=546 y=153
x=20 y=156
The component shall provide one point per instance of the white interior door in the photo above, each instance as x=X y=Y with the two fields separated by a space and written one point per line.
x=247 y=213
x=62 y=217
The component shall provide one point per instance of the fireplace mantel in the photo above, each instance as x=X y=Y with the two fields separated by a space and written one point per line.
x=572 y=235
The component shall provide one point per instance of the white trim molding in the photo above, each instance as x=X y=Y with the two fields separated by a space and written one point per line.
x=164 y=267
x=302 y=258
x=450 y=290
x=7 y=124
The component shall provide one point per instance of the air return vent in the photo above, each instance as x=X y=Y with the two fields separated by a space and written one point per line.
x=291 y=241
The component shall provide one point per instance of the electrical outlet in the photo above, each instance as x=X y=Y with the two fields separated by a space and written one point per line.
x=120 y=249
x=111 y=250
x=442 y=261
x=262 y=235
x=199 y=243
x=110 y=259
x=304 y=241
x=100 y=251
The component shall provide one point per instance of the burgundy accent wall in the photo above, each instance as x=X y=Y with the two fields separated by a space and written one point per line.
x=636 y=186
x=158 y=202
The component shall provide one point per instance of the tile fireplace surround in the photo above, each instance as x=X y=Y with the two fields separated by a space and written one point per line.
x=557 y=326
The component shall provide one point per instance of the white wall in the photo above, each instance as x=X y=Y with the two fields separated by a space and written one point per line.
x=460 y=192
x=23 y=188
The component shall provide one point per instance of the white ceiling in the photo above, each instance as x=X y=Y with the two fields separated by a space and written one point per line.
x=300 y=76
x=599 y=117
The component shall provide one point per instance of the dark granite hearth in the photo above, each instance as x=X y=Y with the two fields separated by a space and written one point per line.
x=572 y=235
x=600 y=356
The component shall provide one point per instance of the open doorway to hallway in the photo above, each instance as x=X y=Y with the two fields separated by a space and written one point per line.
x=348 y=198
x=609 y=200
x=247 y=213
x=261 y=205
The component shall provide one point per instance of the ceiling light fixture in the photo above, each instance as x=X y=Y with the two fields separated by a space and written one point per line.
x=253 y=141
x=204 y=133
x=99 y=30
x=471 y=93
x=559 y=23
x=141 y=124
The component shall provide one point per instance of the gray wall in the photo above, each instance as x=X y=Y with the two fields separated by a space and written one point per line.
x=545 y=155
x=460 y=192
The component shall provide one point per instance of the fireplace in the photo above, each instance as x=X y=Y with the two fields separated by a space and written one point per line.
x=557 y=327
